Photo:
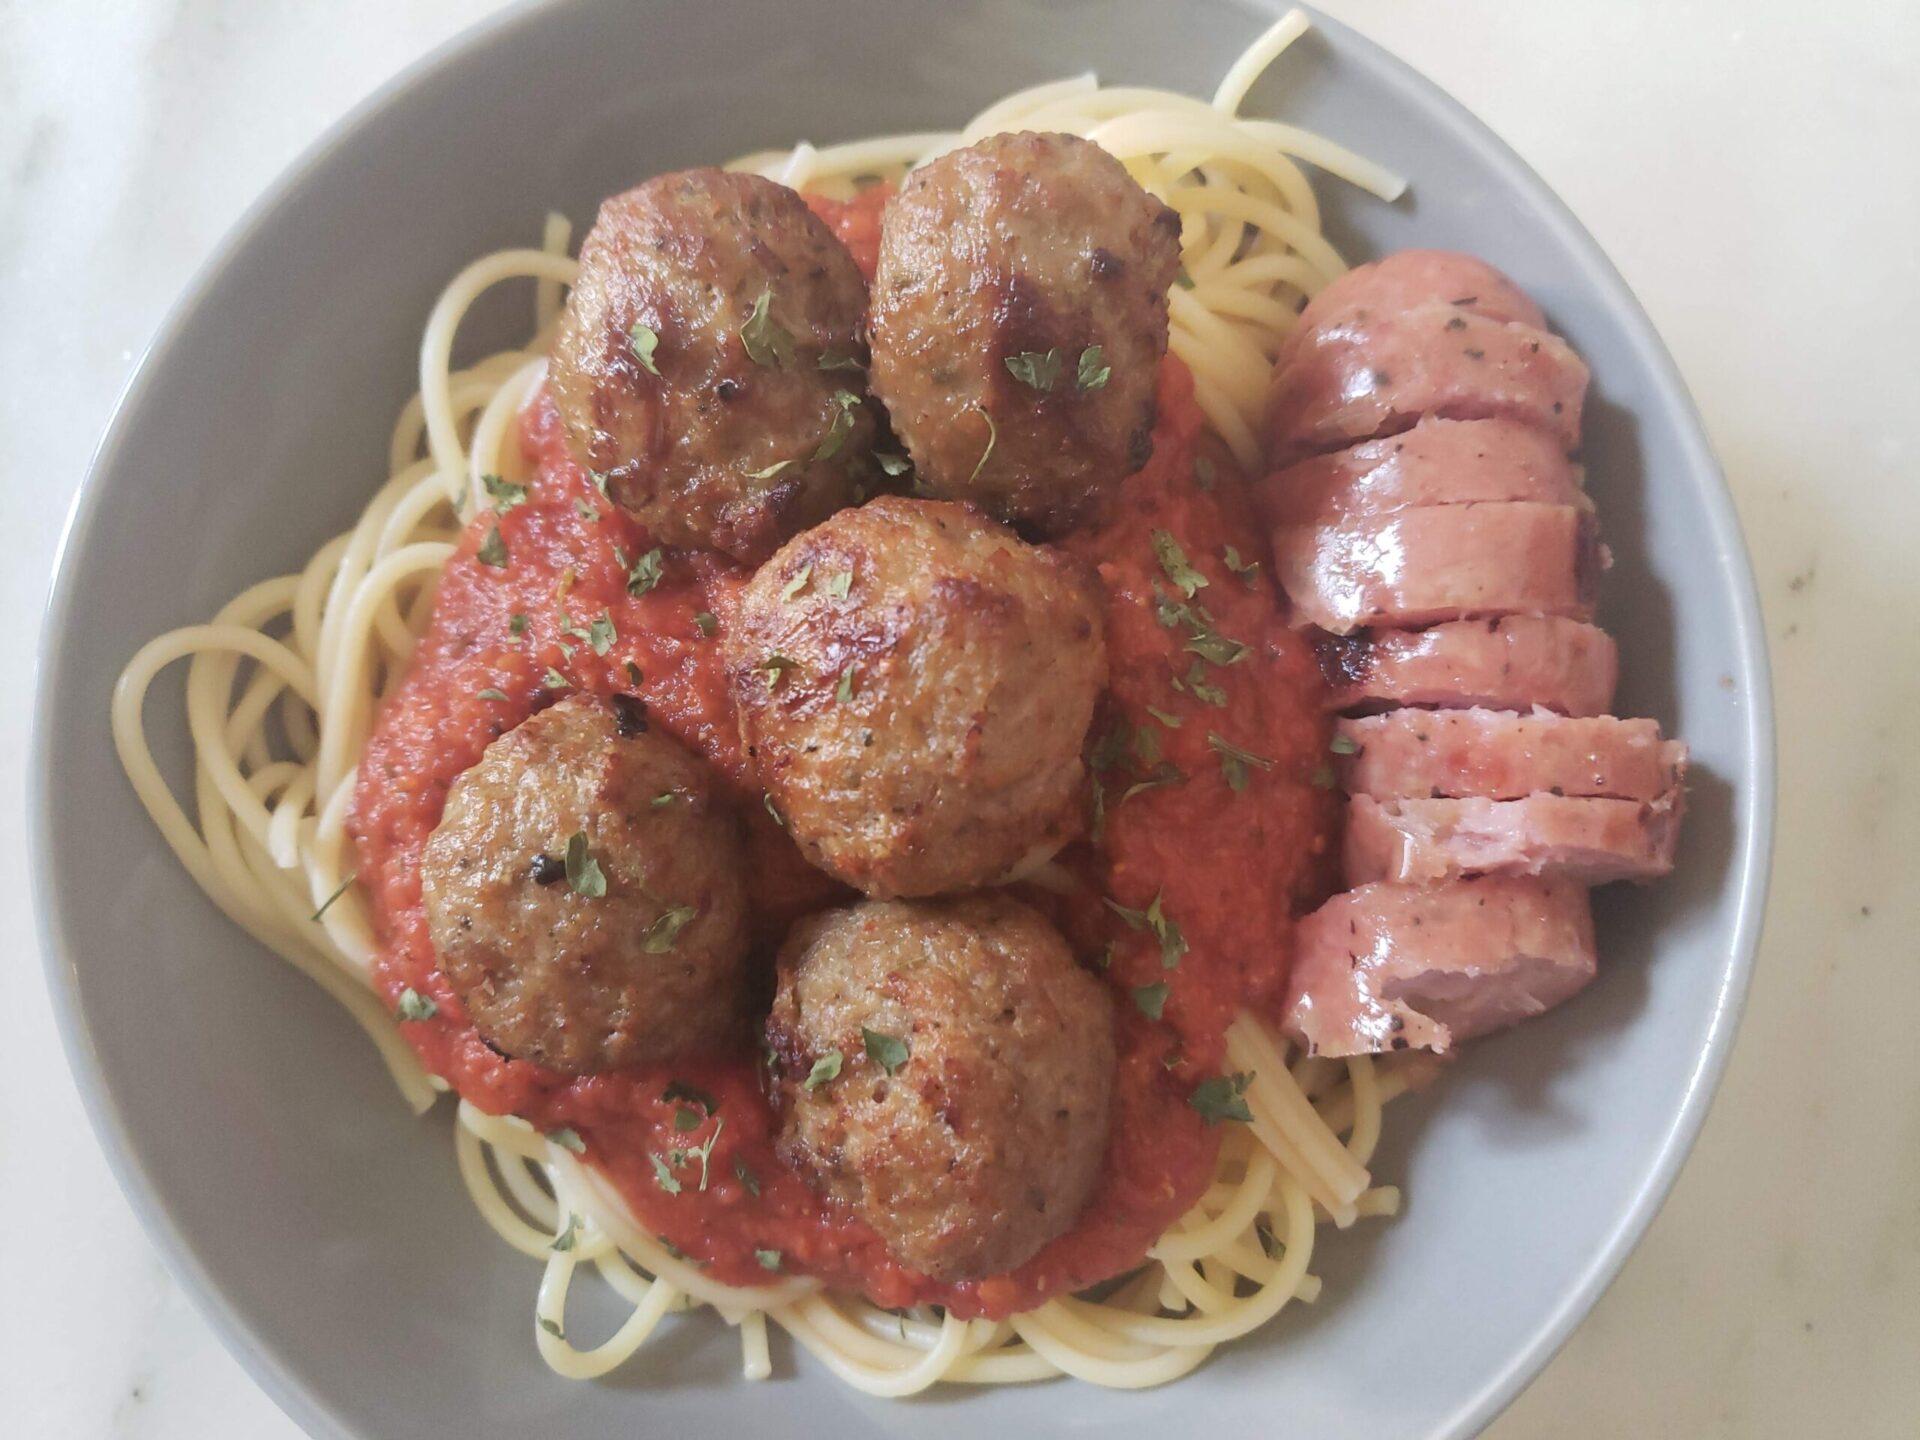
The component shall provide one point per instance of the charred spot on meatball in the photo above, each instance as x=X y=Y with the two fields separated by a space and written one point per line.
x=687 y=366
x=624 y=939
x=914 y=683
x=1019 y=317
x=629 y=715
x=966 y=1117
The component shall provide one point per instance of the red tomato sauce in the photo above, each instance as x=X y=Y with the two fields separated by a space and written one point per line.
x=856 y=222
x=1229 y=865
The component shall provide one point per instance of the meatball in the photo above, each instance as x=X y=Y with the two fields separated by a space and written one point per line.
x=1019 y=317
x=708 y=362
x=967 y=1118
x=914 y=683
x=585 y=894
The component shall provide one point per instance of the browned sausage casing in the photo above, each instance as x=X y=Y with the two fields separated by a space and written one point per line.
x=579 y=982
x=740 y=439
x=1036 y=246
x=914 y=683
x=986 y=1140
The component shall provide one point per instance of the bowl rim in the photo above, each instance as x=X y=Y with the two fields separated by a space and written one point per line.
x=1753 y=834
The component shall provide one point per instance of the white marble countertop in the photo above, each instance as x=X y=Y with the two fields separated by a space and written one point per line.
x=1749 y=167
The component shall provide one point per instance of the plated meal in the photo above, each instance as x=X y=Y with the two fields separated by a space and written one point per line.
x=925 y=759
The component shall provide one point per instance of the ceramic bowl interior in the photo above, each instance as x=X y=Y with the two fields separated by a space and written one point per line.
x=324 y=1228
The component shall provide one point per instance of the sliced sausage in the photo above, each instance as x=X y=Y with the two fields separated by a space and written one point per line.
x=1408 y=278
x=1514 y=663
x=1437 y=462
x=1391 y=967
x=1421 y=754
x=1440 y=563
x=1357 y=377
x=1593 y=840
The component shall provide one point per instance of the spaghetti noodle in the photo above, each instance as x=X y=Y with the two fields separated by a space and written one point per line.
x=285 y=682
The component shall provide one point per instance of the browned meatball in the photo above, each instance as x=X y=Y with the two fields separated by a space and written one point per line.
x=707 y=361
x=967 y=1118
x=1019 y=317
x=585 y=895
x=914 y=683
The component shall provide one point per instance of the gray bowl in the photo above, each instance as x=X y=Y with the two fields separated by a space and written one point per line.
x=324 y=1230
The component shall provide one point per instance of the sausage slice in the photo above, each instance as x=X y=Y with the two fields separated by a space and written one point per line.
x=1357 y=377
x=1498 y=755
x=1593 y=840
x=1437 y=462
x=1513 y=663
x=1392 y=967
x=1440 y=563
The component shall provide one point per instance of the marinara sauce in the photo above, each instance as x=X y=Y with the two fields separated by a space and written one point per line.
x=1208 y=832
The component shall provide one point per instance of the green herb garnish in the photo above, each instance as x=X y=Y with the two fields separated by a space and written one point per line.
x=825 y=1069
x=889 y=1052
x=1173 y=560
x=493 y=549
x=584 y=876
x=601 y=634
x=1040 y=371
x=644 y=343
x=415 y=1006
x=1155 y=920
x=504 y=493
x=847 y=407
x=1196 y=685
x=766 y=342
x=646 y=572
x=1234 y=762
x=796 y=582
x=339 y=890
x=1151 y=999
x=665 y=932
x=1223 y=1098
